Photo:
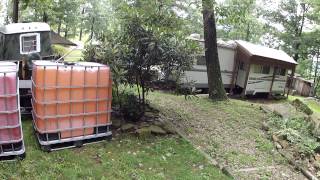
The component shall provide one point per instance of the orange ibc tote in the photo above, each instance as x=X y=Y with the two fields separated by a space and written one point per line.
x=71 y=101
x=11 y=138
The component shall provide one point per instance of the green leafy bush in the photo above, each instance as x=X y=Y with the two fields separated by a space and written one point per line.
x=126 y=102
x=131 y=108
x=295 y=130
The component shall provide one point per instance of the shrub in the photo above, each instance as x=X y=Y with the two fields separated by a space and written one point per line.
x=126 y=102
x=297 y=131
x=131 y=108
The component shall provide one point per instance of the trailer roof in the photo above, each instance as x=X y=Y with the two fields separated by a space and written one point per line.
x=220 y=43
x=17 y=28
x=257 y=50
x=57 y=39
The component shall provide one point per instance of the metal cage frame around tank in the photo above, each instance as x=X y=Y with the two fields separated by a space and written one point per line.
x=97 y=127
x=17 y=146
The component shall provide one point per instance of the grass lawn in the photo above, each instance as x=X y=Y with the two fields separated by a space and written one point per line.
x=229 y=131
x=125 y=157
x=75 y=55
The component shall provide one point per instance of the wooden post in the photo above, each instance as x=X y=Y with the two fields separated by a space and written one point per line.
x=290 y=81
x=273 y=76
x=234 y=73
x=246 y=81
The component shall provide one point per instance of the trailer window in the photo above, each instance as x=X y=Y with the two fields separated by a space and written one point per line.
x=280 y=71
x=201 y=60
x=242 y=66
x=265 y=69
x=29 y=43
x=259 y=69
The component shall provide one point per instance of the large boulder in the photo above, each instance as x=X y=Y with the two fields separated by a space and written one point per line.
x=157 y=130
x=128 y=127
x=301 y=106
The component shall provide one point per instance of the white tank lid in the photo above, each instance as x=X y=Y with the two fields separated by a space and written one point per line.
x=7 y=67
x=51 y=63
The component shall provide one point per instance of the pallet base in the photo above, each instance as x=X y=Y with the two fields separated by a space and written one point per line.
x=74 y=144
x=13 y=157
x=14 y=151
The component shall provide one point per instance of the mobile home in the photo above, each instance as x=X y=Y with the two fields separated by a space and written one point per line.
x=20 y=39
x=246 y=68
x=260 y=69
x=198 y=73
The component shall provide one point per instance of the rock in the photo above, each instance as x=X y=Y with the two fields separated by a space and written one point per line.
x=158 y=123
x=157 y=130
x=165 y=126
x=275 y=138
x=143 y=132
x=225 y=170
x=265 y=126
x=301 y=106
x=278 y=146
x=278 y=113
x=284 y=144
x=316 y=165
x=128 y=127
x=151 y=114
x=144 y=124
x=265 y=109
x=317 y=157
x=169 y=128
x=316 y=133
x=116 y=122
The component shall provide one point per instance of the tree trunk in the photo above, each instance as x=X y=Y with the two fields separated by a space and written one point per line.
x=66 y=32
x=92 y=26
x=299 y=32
x=59 y=26
x=81 y=28
x=15 y=12
x=216 y=89
x=248 y=32
x=315 y=79
x=296 y=54
x=45 y=17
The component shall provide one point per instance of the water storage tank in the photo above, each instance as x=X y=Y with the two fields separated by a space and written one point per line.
x=71 y=102
x=11 y=138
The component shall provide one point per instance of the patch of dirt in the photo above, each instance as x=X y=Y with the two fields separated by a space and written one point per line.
x=230 y=132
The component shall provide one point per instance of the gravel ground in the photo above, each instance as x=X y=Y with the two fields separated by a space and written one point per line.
x=230 y=132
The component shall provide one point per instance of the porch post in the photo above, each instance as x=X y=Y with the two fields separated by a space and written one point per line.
x=290 y=81
x=246 y=81
x=235 y=72
x=273 y=76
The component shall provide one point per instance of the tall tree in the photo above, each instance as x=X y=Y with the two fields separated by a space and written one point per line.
x=292 y=16
x=239 y=20
x=216 y=89
x=15 y=12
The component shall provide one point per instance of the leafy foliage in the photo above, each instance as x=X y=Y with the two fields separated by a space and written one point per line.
x=239 y=20
x=297 y=131
x=148 y=40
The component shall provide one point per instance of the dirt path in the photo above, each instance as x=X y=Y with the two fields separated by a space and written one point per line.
x=230 y=133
